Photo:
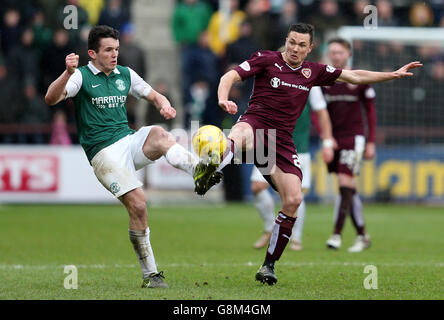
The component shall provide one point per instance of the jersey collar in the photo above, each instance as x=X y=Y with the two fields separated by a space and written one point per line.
x=96 y=71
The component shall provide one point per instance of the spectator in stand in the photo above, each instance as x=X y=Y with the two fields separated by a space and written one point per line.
x=33 y=114
x=93 y=7
x=10 y=30
x=287 y=17
x=114 y=15
x=328 y=21
x=8 y=92
x=421 y=15
x=190 y=19
x=242 y=48
x=385 y=14
x=42 y=33
x=53 y=60
x=82 y=20
x=260 y=21
x=200 y=60
x=131 y=55
x=357 y=19
x=237 y=52
x=22 y=61
x=59 y=132
x=223 y=29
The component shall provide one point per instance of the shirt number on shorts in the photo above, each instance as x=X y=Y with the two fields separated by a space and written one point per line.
x=348 y=157
x=296 y=161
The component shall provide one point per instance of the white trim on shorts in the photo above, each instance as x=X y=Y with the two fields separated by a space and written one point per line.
x=115 y=166
x=304 y=158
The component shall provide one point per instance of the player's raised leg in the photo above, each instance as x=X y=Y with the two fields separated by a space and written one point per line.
x=289 y=188
x=139 y=234
x=162 y=143
x=207 y=173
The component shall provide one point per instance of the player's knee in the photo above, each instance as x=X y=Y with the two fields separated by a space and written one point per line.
x=137 y=208
x=292 y=202
x=160 y=136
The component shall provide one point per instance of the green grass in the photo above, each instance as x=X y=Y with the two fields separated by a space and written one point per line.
x=206 y=253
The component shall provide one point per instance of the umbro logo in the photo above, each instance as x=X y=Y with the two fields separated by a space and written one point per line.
x=96 y=85
x=280 y=67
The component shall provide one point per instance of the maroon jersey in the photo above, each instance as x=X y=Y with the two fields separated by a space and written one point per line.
x=280 y=92
x=344 y=105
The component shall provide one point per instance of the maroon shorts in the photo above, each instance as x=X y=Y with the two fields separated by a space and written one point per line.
x=271 y=149
x=348 y=157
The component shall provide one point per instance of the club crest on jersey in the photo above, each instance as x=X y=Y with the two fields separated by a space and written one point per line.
x=120 y=84
x=306 y=72
x=275 y=82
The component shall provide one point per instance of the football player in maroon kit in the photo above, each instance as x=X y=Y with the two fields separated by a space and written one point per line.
x=282 y=83
x=344 y=103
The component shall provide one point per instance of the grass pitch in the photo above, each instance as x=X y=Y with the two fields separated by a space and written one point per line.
x=206 y=253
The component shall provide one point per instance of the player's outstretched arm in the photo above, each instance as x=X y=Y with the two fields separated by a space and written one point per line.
x=162 y=104
x=225 y=84
x=368 y=77
x=56 y=91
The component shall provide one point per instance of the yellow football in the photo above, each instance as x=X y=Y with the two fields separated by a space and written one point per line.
x=209 y=139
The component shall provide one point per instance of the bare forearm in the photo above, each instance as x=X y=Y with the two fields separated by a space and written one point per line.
x=56 y=91
x=325 y=124
x=368 y=77
x=225 y=84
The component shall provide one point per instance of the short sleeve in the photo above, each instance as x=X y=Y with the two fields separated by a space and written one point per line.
x=139 y=88
x=74 y=84
x=316 y=99
x=327 y=75
x=252 y=66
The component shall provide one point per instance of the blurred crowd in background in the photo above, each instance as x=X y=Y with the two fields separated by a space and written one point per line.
x=34 y=44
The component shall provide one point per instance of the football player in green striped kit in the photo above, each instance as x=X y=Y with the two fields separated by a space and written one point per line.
x=263 y=200
x=99 y=91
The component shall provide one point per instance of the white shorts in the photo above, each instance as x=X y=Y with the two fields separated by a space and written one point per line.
x=115 y=166
x=305 y=160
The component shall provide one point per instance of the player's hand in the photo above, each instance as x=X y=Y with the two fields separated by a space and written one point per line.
x=228 y=106
x=369 y=152
x=328 y=146
x=72 y=62
x=403 y=72
x=168 y=112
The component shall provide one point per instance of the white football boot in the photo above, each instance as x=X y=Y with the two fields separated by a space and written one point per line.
x=361 y=243
x=334 y=242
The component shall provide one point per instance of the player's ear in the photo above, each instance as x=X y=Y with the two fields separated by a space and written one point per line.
x=92 y=54
x=310 y=47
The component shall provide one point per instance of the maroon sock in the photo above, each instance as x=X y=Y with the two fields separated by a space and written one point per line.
x=344 y=208
x=279 y=237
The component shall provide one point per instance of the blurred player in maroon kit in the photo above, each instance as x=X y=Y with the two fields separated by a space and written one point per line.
x=344 y=104
x=282 y=83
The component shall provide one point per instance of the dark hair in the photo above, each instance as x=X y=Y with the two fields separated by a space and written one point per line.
x=341 y=41
x=302 y=28
x=99 y=32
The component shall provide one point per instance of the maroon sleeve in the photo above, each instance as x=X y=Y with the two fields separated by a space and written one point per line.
x=252 y=66
x=369 y=105
x=326 y=75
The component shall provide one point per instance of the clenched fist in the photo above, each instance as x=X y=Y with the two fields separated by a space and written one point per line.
x=72 y=62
